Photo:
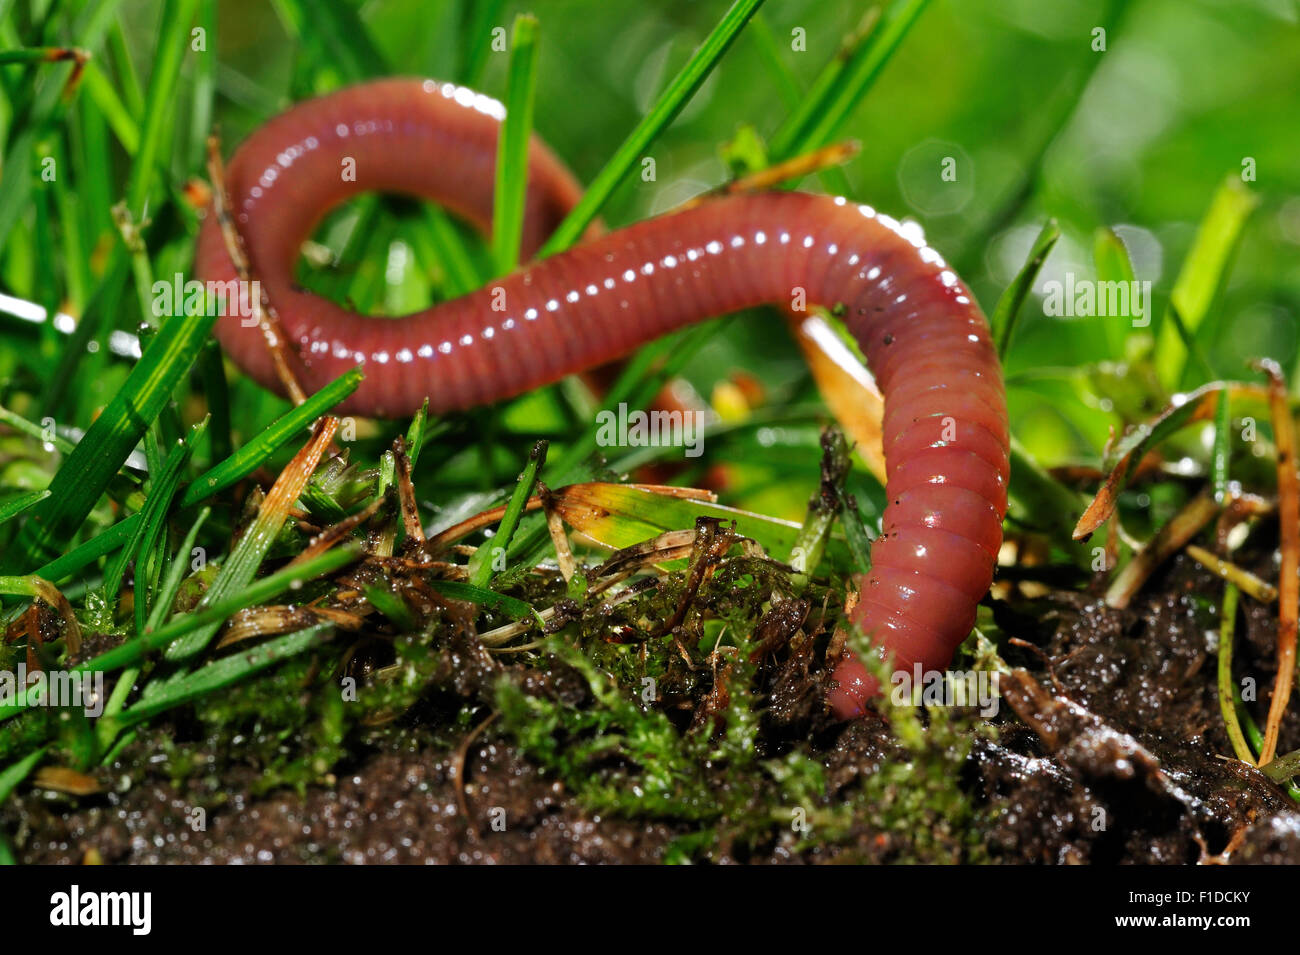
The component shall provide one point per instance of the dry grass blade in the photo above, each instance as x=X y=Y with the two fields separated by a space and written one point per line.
x=1245 y=581
x=40 y=589
x=1288 y=505
x=267 y=320
x=270 y=621
x=337 y=532
x=846 y=386
x=406 y=492
x=559 y=539
x=63 y=780
x=798 y=167
x=1171 y=538
x=671 y=545
x=477 y=522
x=248 y=554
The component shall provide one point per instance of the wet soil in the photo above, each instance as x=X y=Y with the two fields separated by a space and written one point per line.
x=1108 y=748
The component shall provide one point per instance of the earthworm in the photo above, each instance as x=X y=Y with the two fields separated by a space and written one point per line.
x=924 y=337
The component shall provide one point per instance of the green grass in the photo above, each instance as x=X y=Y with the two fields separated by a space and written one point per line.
x=512 y=150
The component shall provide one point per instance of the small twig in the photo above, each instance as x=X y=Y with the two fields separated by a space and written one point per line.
x=1180 y=529
x=336 y=532
x=1261 y=590
x=559 y=539
x=406 y=492
x=264 y=312
x=458 y=771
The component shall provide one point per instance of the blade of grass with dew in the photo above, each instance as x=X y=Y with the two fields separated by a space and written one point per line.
x=1003 y=321
x=164 y=600
x=253 y=453
x=241 y=566
x=242 y=463
x=148 y=558
x=110 y=439
x=1203 y=275
x=485 y=561
x=512 y=145
x=223 y=672
x=12 y=508
x=161 y=491
x=459 y=590
x=257 y=592
x=655 y=121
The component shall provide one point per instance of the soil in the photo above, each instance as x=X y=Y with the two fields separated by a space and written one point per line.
x=1109 y=748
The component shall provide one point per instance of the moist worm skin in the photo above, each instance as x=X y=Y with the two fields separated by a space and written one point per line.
x=925 y=339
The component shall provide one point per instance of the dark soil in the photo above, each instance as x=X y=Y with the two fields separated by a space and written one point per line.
x=1109 y=748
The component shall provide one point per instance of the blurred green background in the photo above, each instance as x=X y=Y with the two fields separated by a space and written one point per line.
x=1137 y=137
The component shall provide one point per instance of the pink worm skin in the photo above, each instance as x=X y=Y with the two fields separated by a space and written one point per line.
x=925 y=339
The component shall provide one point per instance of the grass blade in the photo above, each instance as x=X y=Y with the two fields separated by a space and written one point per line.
x=250 y=551
x=859 y=74
x=12 y=508
x=1003 y=320
x=1203 y=275
x=111 y=439
x=486 y=560
x=656 y=120
x=223 y=672
x=512 y=146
